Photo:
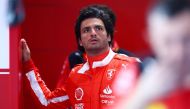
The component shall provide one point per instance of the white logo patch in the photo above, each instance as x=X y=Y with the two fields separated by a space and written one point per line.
x=107 y=90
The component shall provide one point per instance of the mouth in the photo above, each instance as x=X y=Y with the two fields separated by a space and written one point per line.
x=93 y=41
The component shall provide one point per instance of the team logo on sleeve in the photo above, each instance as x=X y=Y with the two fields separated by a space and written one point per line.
x=110 y=74
x=79 y=93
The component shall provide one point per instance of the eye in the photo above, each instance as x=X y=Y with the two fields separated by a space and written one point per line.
x=86 y=30
x=99 y=28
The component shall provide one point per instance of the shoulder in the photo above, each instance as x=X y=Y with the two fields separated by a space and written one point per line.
x=76 y=67
x=123 y=57
x=74 y=71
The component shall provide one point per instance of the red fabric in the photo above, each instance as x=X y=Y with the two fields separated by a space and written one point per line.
x=28 y=66
x=94 y=88
x=66 y=66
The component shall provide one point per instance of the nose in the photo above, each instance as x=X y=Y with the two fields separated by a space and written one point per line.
x=93 y=32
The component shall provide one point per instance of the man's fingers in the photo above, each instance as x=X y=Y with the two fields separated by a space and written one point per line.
x=25 y=51
x=23 y=44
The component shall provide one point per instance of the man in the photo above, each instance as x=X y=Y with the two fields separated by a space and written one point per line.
x=79 y=56
x=90 y=85
x=166 y=80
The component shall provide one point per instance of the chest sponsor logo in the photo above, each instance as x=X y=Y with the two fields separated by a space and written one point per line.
x=107 y=90
x=108 y=102
x=107 y=93
x=79 y=94
x=79 y=106
x=107 y=97
x=110 y=74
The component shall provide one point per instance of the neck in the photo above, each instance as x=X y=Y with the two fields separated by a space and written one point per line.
x=98 y=57
x=92 y=53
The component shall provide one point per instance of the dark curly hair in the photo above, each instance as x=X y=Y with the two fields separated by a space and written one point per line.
x=96 y=11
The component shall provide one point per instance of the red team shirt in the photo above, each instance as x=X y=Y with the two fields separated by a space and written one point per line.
x=92 y=85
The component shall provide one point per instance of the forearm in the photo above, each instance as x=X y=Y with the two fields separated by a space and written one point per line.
x=40 y=89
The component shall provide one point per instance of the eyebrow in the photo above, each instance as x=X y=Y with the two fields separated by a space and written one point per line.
x=99 y=26
x=96 y=25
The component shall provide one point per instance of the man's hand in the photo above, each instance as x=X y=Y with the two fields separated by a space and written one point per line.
x=25 y=51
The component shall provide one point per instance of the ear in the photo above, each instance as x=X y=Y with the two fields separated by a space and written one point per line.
x=109 y=38
x=80 y=42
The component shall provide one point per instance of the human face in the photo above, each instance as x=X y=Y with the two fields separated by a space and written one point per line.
x=170 y=39
x=94 y=37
